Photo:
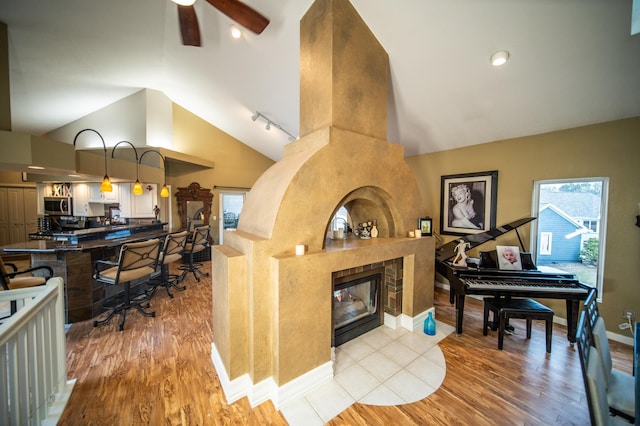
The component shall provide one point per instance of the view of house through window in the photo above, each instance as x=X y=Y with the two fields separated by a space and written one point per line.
x=569 y=233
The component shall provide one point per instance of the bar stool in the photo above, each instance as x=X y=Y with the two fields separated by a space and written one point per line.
x=199 y=242
x=505 y=308
x=12 y=280
x=171 y=252
x=137 y=262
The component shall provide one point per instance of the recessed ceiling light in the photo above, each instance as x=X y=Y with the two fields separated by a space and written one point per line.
x=235 y=31
x=499 y=58
x=184 y=2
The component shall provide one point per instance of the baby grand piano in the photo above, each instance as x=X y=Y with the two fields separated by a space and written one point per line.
x=541 y=282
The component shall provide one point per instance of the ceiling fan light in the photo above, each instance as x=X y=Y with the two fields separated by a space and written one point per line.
x=137 y=188
x=235 y=32
x=499 y=58
x=184 y=2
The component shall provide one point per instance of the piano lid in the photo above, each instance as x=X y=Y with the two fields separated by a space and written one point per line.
x=447 y=251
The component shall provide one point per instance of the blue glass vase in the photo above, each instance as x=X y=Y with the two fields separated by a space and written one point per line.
x=430 y=325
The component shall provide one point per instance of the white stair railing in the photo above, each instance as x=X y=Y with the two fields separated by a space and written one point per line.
x=33 y=373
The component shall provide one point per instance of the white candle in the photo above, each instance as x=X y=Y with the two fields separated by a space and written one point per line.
x=418 y=233
x=299 y=249
x=412 y=234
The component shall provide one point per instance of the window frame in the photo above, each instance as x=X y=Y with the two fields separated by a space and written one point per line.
x=602 y=228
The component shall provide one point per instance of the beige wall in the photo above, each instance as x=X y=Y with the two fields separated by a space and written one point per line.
x=604 y=150
x=237 y=165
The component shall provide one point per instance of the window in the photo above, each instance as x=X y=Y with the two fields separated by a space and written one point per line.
x=545 y=243
x=231 y=205
x=570 y=231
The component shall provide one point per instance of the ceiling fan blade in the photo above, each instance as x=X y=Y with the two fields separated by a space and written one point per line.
x=189 y=28
x=242 y=14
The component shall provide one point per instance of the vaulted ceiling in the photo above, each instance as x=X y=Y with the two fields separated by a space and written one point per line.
x=572 y=63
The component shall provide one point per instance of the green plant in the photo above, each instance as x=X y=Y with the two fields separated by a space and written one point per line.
x=589 y=252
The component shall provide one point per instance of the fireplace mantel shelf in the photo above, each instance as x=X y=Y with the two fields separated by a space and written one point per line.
x=355 y=242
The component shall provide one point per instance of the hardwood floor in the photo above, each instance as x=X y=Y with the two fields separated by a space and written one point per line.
x=159 y=371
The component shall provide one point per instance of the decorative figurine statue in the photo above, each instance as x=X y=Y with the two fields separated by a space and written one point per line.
x=156 y=212
x=461 y=256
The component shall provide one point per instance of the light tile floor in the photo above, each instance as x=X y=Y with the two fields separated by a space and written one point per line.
x=382 y=367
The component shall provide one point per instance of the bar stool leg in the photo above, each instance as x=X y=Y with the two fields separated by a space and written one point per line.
x=529 y=328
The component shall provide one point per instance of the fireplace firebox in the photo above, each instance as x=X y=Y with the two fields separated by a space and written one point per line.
x=356 y=306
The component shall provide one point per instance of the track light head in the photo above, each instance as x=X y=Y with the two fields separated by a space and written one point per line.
x=254 y=117
x=268 y=126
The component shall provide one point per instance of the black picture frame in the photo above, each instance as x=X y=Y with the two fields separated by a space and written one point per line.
x=425 y=225
x=468 y=203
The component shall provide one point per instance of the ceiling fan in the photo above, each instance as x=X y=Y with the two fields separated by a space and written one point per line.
x=234 y=9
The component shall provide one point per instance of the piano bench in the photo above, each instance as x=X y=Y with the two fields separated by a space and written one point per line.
x=505 y=308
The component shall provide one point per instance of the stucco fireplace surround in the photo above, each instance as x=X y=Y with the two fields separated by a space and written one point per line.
x=272 y=309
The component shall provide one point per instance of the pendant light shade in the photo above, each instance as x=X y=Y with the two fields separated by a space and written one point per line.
x=106 y=185
x=164 y=192
x=137 y=188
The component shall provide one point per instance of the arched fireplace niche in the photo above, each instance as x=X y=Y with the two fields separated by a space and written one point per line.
x=366 y=204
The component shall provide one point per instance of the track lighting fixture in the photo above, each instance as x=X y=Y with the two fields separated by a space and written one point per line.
x=137 y=187
x=106 y=183
x=270 y=123
x=164 y=192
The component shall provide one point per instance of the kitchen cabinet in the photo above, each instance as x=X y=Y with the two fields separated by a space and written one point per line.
x=80 y=199
x=95 y=196
x=42 y=190
x=82 y=205
x=18 y=214
x=138 y=206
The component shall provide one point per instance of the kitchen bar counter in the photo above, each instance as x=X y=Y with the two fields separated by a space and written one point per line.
x=75 y=263
x=48 y=246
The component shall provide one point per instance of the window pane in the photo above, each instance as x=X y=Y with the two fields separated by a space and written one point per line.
x=570 y=230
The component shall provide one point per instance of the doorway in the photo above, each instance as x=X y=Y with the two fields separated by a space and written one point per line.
x=231 y=203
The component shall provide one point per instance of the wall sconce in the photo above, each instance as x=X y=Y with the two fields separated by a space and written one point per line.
x=137 y=187
x=270 y=123
x=164 y=192
x=106 y=183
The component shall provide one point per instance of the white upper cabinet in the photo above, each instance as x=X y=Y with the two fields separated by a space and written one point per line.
x=95 y=196
x=138 y=206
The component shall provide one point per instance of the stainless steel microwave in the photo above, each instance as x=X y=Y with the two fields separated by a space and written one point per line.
x=58 y=206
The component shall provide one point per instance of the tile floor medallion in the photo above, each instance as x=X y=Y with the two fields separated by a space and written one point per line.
x=382 y=367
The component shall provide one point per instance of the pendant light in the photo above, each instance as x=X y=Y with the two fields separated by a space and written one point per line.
x=137 y=187
x=106 y=183
x=164 y=192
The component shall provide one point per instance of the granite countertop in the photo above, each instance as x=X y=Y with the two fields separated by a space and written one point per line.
x=48 y=246
x=81 y=233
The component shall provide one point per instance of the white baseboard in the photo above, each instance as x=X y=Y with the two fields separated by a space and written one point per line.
x=268 y=389
x=60 y=402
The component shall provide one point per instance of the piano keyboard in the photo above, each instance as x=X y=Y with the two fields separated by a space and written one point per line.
x=528 y=285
